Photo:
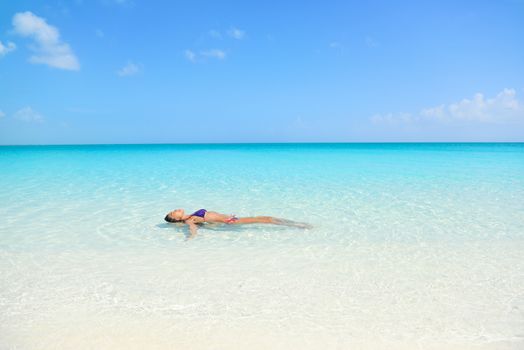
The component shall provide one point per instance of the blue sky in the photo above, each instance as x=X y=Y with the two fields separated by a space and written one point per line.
x=136 y=71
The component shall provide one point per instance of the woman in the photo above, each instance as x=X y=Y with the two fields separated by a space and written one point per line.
x=202 y=215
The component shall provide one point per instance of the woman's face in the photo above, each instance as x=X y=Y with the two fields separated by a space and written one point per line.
x=177 y=214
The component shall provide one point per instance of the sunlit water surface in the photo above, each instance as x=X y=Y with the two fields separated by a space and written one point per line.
x=413 y=246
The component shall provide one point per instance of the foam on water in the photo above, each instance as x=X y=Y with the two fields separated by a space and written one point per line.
x=413 y=246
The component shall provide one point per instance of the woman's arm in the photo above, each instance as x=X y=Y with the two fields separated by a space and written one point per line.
x=192 y=227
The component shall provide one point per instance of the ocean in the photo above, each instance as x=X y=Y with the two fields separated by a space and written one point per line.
x=413 y=246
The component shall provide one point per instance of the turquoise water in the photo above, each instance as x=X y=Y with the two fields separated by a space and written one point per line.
x=413 y=245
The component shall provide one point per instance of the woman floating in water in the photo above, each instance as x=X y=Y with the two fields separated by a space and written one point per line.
x=202 y=215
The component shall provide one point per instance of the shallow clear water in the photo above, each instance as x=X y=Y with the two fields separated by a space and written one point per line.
x=413 y=246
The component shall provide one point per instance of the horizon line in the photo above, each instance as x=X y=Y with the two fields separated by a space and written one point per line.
x=258 y=143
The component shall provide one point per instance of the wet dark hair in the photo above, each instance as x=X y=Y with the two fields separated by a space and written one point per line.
x=170 y=219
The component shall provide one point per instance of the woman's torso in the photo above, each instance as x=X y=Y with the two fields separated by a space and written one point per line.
x=203 y=215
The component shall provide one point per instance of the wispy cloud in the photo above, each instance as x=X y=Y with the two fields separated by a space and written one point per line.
x=392 y=118
x=504 y=107
x=201 y=56
x=236 y=33
x=129 y=69
x=233 y=32
x=2 y=114
x=49 y=48
x=214 y=53
x=215 y=34
x=5 y=49
x=122 y=3
x=29 y=115
x=190 y=55
x=119 y=2
x=371 y=42
x=335 y=45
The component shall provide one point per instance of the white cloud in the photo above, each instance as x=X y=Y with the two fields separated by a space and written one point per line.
x=128 y=70
x=27 y=114
x=49 y=48
x=236 y=33
x=5 y=49
x=203 y=55
x=504 y=107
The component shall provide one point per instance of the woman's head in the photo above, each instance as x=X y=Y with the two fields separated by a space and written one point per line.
x=175 y=215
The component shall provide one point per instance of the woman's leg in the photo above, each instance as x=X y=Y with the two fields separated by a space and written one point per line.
x=254 y=220
x=269 y=220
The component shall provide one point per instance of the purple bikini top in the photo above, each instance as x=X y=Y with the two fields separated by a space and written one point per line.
x=200 y=213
